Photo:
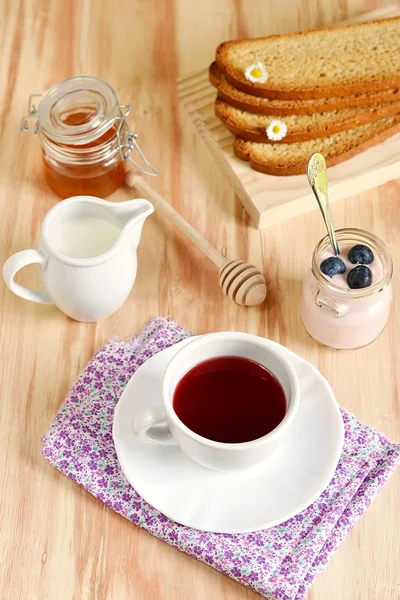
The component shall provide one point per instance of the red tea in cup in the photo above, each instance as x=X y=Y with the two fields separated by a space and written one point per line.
x=229 y=399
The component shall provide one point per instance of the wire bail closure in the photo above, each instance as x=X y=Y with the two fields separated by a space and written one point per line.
x=127 y=139
x=32 y=115
x=127 y=142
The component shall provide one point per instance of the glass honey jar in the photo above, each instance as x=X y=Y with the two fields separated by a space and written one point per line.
x=84 y=136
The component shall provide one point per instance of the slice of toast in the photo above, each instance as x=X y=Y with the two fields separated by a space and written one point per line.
x=291 y=159
x=339 y=61
x=267 y=106
x=300 y=128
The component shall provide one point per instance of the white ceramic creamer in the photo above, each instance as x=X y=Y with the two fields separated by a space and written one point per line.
x=87 y=256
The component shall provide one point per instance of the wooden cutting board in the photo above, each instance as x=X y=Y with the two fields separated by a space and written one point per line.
x=269 y=199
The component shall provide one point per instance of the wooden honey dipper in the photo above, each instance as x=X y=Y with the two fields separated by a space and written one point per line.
x=239 y=280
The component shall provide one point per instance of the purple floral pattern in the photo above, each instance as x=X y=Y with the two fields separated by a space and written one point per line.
x=279 y=563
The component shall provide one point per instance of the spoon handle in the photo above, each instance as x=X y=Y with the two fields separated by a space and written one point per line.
x=317 y=178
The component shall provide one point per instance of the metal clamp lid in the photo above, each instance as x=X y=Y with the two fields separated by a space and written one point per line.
x=127 y=142
x=126 y=139
x=32 y=115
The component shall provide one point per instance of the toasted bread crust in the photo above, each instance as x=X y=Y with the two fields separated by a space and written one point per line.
x=242 y=150
x=266 y=106
x=343 y=90
x=298 y=90
x=246 y=131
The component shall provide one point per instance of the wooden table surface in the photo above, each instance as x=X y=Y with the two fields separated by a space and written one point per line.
x=57 y=541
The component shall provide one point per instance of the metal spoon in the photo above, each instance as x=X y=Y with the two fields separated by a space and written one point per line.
x=316 y=173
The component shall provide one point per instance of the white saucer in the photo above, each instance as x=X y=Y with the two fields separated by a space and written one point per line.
x=224 y=502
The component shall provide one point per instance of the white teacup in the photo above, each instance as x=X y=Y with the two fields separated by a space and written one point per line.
x=162 y=425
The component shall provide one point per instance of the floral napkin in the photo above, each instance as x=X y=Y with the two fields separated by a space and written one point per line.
x=279 y=563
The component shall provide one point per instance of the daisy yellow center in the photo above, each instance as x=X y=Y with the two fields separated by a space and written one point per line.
x=276 y=128
x=256 y=72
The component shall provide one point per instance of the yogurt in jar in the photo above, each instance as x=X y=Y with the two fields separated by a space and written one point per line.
x=332 y=312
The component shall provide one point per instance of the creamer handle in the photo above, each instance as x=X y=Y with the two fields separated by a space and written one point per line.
x=14 y=264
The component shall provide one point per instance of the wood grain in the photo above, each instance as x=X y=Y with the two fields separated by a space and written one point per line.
x=57 y=541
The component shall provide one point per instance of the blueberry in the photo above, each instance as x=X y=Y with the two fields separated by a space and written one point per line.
x=333 y=266
x=361 y=255
x=359 y=277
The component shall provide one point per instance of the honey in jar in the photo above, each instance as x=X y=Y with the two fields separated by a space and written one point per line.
x=84 y=136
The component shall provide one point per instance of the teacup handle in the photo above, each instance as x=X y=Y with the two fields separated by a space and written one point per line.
x=151 y=426
x=14 y=264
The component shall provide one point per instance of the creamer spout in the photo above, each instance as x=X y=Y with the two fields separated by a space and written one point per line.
x=131 y=216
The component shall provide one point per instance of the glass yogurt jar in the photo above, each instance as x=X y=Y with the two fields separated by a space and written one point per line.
x=332 y=312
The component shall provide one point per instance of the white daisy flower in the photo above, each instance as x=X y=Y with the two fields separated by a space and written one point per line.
x=276 y=131
x=256 y=73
